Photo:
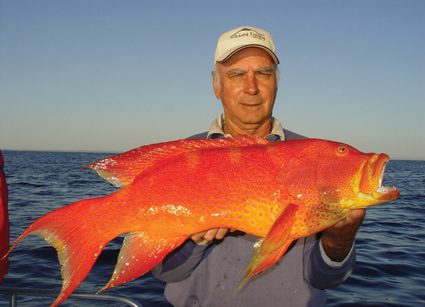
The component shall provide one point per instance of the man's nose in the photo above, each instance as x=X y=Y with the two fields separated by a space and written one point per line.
x=251 y=86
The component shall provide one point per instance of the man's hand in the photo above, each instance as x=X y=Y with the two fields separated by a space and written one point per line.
x=338 y=239
x=207 y=236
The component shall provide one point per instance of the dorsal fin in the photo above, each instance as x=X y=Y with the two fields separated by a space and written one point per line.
x=121 y=169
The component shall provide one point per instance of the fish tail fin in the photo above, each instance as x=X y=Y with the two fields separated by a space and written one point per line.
x=139 y=253
x=270 y=249
x=71 y=230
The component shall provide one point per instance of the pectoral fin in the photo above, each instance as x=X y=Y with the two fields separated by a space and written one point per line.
x=271 y=248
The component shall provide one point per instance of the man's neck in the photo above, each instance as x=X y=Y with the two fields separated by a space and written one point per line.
x=260 y=130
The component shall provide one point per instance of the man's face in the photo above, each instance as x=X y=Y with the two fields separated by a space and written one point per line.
x=247 y=88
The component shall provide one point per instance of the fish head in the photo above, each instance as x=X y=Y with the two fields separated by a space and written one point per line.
x=351 y=179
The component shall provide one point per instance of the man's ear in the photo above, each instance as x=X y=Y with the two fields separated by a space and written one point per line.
x=216 y=86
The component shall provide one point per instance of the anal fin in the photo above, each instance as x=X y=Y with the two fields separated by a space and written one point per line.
x=139 y=254
x=271 y=248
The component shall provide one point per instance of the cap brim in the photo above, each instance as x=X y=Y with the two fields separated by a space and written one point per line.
x=224 y=57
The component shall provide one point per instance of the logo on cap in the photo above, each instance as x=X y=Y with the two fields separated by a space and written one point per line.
x=248 y=32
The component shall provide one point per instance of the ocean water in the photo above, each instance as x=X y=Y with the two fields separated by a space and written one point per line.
x=390 y=268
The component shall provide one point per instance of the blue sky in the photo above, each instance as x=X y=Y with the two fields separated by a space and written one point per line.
x=113 y=75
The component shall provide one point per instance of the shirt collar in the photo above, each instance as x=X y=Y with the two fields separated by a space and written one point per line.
x=216 y=130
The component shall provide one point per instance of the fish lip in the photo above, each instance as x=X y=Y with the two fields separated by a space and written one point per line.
x=379 y=170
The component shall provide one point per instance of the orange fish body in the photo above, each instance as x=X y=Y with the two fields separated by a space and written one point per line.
x=278 y=191
x=4 y=222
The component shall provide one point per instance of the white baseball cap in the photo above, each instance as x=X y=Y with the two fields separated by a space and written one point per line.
x=239 y=38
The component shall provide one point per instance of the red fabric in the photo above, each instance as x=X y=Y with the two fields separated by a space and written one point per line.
x=4 y=222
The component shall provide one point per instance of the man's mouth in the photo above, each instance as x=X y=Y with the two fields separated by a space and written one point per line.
x=251 y=104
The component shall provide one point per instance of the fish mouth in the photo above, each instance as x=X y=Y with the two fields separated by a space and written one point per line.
x=373 y=177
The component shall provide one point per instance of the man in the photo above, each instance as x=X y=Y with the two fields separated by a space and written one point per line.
x=207 y=270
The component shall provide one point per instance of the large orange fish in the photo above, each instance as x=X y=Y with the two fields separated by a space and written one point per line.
x=277 y=191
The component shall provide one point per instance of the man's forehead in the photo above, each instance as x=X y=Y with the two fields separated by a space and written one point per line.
x=249 y=57
x=246 y=68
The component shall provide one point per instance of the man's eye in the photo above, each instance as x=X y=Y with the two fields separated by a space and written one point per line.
x=264 y=73
x=235 y=74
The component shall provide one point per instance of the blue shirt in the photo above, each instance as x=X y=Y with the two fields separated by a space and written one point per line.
x=209 y=275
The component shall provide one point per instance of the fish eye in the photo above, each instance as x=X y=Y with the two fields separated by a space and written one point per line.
x=341 y=150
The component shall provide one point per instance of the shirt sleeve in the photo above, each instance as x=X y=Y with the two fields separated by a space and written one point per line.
x=320 y=271
x=329 y=261
x=180 y=263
